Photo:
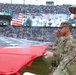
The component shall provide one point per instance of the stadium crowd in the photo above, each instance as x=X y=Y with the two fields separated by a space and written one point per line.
x=31 y=33
x=17 y=8
x=34 y=33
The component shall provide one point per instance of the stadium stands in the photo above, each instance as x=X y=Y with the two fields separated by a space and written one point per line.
x=25 y=33
x=36 y=33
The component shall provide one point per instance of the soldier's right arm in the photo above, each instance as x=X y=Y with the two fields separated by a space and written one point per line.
x=67 y=66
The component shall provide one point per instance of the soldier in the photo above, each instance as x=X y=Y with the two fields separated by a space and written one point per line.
x=68 y=65
x=62 y=48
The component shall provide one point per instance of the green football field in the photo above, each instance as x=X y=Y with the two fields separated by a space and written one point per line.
x=38 y=67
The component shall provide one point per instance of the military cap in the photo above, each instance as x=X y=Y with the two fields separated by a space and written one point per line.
x=72 y=9
x=66 y=24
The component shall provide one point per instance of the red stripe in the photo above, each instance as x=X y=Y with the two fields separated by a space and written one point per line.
x=17 y=24
x=17 y=21
x=20 y=16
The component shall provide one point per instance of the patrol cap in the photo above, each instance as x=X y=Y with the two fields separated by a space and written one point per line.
x=66 y=24
x=72 y=9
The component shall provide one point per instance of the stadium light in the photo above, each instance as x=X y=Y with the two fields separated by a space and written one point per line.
x=23 y=1
x=11 y=1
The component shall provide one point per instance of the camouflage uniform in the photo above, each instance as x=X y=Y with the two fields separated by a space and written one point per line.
x=57 y=43
x=54 y=48
x=62 y=48
x=67 y=65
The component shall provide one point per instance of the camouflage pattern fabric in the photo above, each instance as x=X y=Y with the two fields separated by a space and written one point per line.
x=57 y=43
x=62 y=48
x=67 y=66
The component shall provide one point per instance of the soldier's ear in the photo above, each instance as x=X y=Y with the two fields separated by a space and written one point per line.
x=67 y=28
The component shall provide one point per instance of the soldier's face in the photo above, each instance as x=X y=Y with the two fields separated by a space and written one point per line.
x=63 y=30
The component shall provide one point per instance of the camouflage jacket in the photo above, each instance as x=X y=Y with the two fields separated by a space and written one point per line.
x=63 y=46
x=67 y=66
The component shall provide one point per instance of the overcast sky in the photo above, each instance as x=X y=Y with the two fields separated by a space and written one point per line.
x=40 y=2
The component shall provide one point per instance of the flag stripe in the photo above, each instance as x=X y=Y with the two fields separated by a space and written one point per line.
x=18 y=22
x=20 y=16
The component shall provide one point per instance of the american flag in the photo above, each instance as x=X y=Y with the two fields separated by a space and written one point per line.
x=17 y=22
x=14 y=54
